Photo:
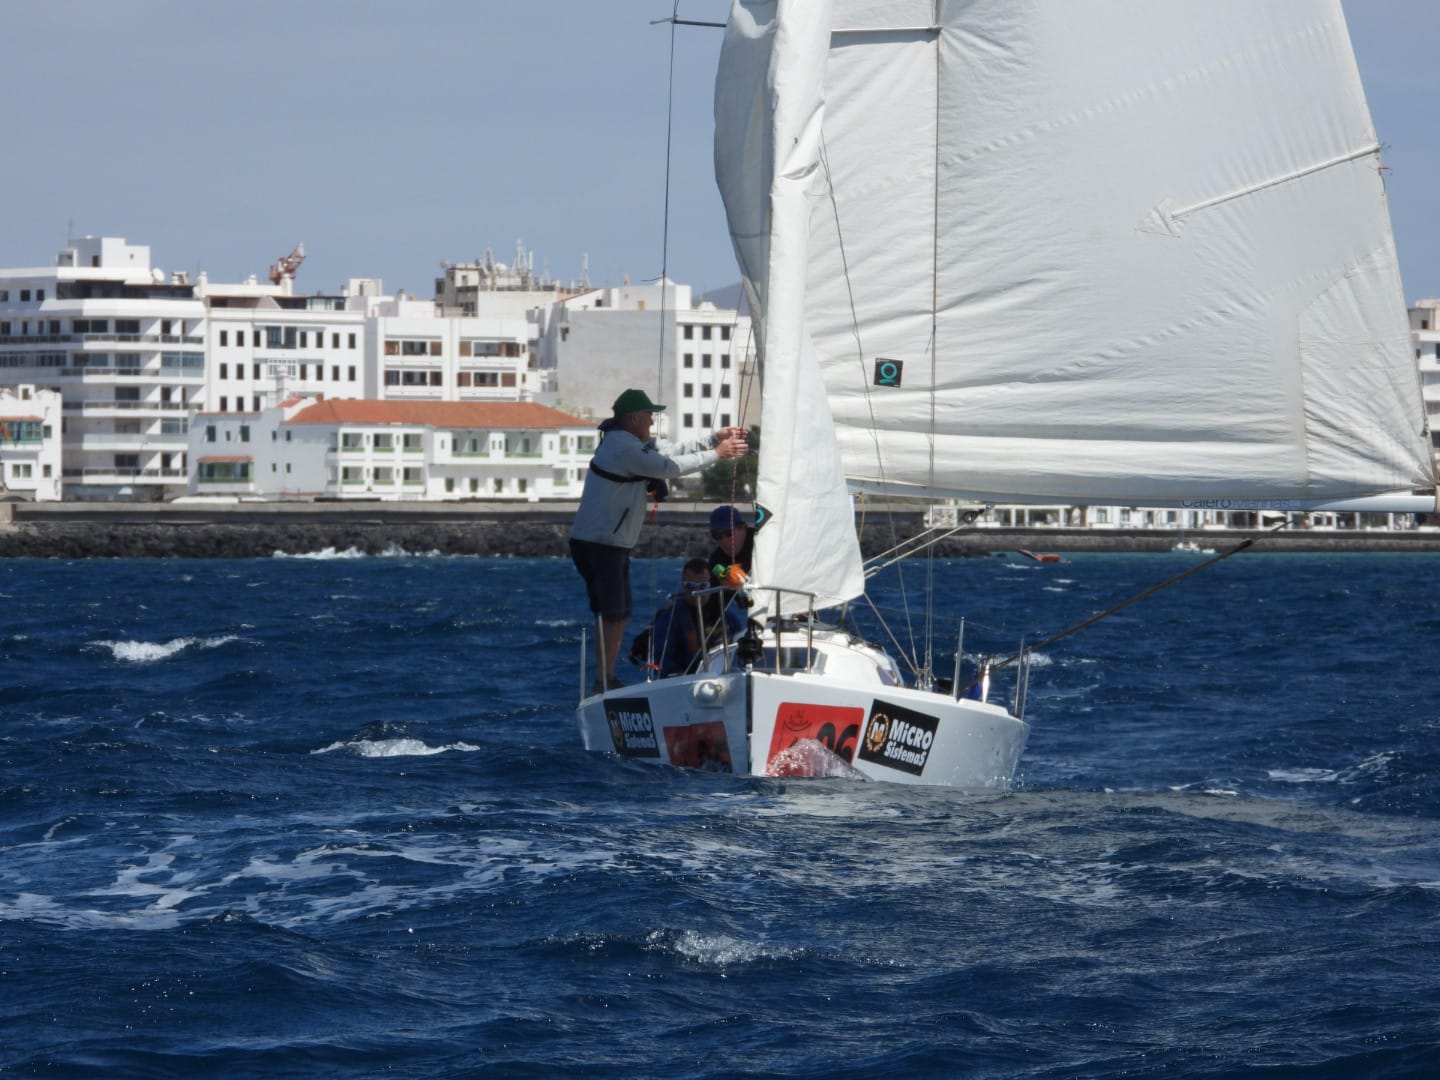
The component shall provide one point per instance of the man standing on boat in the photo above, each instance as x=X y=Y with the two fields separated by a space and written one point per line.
x=627 y=464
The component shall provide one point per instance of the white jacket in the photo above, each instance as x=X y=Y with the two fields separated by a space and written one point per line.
x=612 y=512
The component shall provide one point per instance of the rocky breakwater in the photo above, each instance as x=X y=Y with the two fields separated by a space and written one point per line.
x=247 y=531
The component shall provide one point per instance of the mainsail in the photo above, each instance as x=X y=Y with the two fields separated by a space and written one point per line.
x=1111 y=251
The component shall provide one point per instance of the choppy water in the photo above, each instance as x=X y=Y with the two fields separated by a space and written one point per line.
x=302 y=817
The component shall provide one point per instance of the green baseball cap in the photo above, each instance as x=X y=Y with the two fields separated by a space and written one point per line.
x=635 y=401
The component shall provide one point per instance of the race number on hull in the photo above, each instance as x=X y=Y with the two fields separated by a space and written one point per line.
x=836 y=727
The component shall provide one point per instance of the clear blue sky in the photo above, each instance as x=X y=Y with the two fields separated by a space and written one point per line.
x=390 y=136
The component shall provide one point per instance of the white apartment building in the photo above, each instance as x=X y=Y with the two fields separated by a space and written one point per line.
x=30 y=461
x=1425 y=333
x=125 y=348
x=309 y=448
x=693 y=358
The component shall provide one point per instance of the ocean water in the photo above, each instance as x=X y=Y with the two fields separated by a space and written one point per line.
x=330 y=817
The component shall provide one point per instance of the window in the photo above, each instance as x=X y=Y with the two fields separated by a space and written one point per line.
x=705 y=360
x=522 y=485
x=24 y=295
x=688 y=391
x=255 y=403
x=21 y=471
x=256 y=339
x=255 y=372
x=224 y=337
x=224 y=403
x=724 y=419
x=224 y=471
x=335 y=372
x=498 y=485
x=352 y=374
x=689 y=333
x=334 y=341
x=724 y=333
x=705 y=332
x=224 y=371
x=724 y=390
x=705 y=390
x=689 y=420
x=352 y=341
x=244 y=432
x=725 y=361
x=690 y=359
x=209 y=432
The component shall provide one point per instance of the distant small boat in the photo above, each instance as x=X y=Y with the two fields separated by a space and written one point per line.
x=1043 y=556
x=1190 y=547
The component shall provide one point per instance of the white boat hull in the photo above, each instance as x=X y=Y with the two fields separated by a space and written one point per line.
x=763 y=723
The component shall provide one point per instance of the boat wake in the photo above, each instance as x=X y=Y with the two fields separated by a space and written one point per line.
x=809 y=757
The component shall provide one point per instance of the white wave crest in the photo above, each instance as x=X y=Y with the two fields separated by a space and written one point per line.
x=391 y=550
x=379 y=748
x=809 y=757
x=148 y=652
x=719 y=950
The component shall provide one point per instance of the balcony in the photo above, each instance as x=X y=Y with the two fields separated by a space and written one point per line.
x=123 y=475
x=125 y=406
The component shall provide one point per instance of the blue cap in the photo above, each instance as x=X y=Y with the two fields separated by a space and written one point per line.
x=725 y=517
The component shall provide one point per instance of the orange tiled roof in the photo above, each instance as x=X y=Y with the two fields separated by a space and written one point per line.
x=437 y=414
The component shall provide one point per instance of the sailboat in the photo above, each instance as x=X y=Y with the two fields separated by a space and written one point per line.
x=1121 y=252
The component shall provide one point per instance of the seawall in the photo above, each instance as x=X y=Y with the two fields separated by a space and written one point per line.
x=259 y=530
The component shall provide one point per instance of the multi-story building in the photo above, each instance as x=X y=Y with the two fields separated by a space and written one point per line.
x=694 y=358
x=134 y=353
x=1425 y=332
x=125 y=347
x=30 y=462
x=307 y=448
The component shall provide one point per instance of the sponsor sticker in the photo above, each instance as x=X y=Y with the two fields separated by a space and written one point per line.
x=631 y=728
x=898 y=737
x=699 y=746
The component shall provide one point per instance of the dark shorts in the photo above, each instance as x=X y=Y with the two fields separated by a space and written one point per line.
x=606 y=570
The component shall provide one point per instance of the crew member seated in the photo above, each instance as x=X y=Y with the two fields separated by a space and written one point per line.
x=676 y=637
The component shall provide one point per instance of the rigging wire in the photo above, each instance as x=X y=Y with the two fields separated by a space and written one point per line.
x=869 y=401
x=996 y=665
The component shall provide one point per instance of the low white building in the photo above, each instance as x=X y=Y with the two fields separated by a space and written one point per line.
x=309 y=448
x=30 y=461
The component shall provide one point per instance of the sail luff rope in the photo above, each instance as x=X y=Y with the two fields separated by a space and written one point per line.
x=1093 y=619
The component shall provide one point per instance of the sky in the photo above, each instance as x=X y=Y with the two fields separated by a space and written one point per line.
x=390 y=137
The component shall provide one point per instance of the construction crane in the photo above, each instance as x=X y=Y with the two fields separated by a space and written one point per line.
x=287 y=265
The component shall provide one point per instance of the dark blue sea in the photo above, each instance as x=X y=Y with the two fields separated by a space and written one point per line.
x=330 y=817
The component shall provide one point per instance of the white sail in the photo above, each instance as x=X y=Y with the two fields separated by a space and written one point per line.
x=767 y=141
x=1130 y=251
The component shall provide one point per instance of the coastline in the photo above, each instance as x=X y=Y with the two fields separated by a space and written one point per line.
x=539 y=530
